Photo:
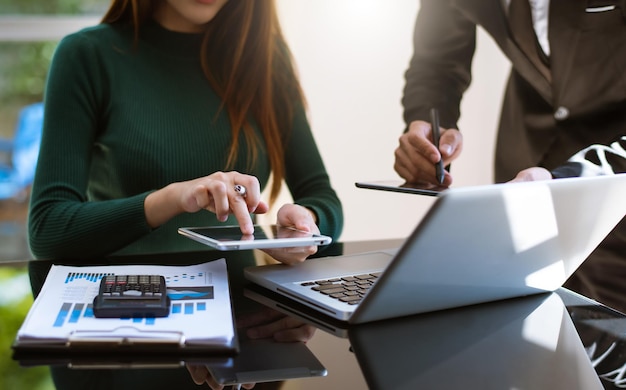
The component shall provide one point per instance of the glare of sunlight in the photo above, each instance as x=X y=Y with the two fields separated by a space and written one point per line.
x=547 y=278
x=543 y=326
x=531 y=215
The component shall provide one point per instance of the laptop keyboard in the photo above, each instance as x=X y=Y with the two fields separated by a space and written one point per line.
x=348 y=289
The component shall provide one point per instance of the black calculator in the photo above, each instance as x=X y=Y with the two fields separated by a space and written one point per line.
x=131 y=296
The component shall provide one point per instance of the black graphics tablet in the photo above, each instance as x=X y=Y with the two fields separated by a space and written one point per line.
x=401 y=186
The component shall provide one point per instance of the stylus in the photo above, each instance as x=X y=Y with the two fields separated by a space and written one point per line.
x=434 y=123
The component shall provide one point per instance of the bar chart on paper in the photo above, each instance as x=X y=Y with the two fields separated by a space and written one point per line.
x=186 y=298
x=200 y=293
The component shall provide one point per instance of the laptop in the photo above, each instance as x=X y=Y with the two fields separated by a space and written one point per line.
x=475 y=244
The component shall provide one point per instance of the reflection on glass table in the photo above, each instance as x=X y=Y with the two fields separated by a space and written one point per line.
x=260 y=360
x=534 y=342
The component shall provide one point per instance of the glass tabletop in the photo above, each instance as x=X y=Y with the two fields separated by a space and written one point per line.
x=553 y=340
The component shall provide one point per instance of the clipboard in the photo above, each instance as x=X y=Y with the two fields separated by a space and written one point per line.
x=61 y=325
x=84 y=357
x=128 y=348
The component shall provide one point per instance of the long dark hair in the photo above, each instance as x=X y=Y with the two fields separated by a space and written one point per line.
x=254 y=74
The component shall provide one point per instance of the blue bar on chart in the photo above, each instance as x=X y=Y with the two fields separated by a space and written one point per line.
x=188 y=307
x=88 y=276
x=76 y=312
x=71 y=313
x=63 y=313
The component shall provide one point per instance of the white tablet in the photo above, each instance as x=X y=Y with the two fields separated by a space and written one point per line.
x=228 y=238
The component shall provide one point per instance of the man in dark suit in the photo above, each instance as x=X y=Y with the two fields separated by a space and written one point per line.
x=564 y=111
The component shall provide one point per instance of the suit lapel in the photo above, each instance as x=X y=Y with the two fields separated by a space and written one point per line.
x=490 y=15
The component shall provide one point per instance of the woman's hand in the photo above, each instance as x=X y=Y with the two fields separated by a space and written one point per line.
x=200 y=375
x=215 y=192
x=297 y=217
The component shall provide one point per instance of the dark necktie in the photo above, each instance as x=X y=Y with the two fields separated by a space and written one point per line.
x=521 y=25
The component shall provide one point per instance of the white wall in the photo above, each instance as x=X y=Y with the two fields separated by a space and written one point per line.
x=351 y=56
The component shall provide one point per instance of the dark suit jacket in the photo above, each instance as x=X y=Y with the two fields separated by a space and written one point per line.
x=542 y=123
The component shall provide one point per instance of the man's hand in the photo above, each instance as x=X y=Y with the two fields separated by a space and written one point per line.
x=417 y=155
x=532 y=174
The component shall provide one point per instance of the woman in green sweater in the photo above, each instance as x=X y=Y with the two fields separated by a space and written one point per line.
x=151 y=119
x=155 y=114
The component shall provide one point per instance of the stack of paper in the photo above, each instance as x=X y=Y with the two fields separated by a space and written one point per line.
x=200 y=315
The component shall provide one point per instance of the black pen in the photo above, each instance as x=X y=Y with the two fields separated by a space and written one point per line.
x=434 y=123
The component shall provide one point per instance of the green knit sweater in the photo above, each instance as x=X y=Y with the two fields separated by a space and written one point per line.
x=121 y=121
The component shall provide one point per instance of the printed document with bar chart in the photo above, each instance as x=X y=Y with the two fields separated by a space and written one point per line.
x=200 y=312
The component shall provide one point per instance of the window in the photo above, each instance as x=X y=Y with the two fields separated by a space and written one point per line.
x=29 y=33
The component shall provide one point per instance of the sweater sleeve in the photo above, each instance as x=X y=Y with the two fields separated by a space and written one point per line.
x=308 y=180
x=63 y=222
x=440 y=69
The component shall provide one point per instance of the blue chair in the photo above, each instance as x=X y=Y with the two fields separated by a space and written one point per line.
x=17 y=174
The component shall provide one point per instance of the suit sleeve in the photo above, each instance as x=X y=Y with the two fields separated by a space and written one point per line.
x=440 y=69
